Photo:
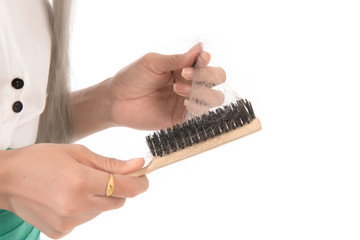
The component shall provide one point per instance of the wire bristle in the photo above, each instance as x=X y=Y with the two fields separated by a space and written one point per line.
x=199 y=129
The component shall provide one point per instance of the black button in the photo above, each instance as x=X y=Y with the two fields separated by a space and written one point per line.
x=17 y=106
x=17 y=83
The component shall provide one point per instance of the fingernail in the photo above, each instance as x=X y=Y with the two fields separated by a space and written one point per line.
x=199 y=44
x=187 y=73
x=186 y=102
x=175 y=88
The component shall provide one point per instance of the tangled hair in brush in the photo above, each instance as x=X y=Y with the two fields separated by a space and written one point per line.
x=54 y=125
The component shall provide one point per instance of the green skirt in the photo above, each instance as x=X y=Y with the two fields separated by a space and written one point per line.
x=13 y=228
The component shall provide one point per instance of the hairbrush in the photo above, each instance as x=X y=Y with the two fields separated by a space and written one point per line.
x=200 y=134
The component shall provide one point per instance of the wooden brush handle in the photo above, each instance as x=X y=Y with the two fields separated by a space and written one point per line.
x=159 y=162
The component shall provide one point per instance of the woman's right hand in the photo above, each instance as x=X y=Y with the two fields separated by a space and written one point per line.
x=56 y=187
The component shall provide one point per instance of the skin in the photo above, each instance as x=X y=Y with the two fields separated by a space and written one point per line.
x=56 y=187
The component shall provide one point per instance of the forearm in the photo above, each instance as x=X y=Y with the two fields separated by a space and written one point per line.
x=90 y=108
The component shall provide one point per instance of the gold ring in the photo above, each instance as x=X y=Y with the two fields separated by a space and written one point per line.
x=110 y=186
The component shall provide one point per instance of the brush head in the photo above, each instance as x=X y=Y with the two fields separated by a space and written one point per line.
x=201 y=128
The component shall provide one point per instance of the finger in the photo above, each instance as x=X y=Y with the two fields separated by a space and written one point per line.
x=188 y=73
x=110 y=165
x=201 y=94
x=182 y=89
x=203 y=59
x=129 y=187
x=160 y=63
x=210 y=76
x=104 y=203
x=124 y=186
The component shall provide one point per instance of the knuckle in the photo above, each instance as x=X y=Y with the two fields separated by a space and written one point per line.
x=120 y=203
x=110 y=163
x=62 y=227
x=68 y=204
x=66 y=209
x=175 y=61
x=80 y=147
x=148 y=55
x=175 y=58
x=132 y=190
x=136 y=187
x=148 y=60
x=55 y=234
x=76 y=183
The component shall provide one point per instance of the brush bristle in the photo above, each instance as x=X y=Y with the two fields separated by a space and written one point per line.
x=199 y=129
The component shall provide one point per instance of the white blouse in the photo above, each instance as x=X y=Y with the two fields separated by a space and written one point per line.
x=25 y=46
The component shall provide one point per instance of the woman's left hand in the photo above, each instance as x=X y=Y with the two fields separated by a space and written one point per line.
x=150 y=93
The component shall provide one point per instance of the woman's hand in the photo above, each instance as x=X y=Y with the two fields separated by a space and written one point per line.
x=150 y=93
x=57 y=187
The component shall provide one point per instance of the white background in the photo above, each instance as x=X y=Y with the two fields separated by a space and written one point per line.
x=297 y=61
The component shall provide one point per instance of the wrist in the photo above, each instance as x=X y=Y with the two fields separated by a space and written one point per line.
x=90 y=110
x=4 y=180
x=118 y=104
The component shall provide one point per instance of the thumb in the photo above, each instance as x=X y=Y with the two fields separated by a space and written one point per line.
x=110 y=165
x=166 y=63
